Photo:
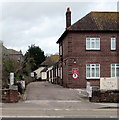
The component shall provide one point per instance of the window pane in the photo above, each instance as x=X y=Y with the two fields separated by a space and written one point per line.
x=117 y=72
x=97 y=65
x=88 y=65
x=117 y=65
x=113 y=65
x=93 y=44
x=97 y=43
x=88 y=72
x=97 y=72
x=113 y=43
x=88 y=43
x=60 y=50
x=113 y=72
x=93 y=72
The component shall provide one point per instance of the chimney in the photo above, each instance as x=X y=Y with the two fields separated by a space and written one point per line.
x=68 y=18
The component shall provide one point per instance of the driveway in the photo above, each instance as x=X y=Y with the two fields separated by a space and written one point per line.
x=48 y=91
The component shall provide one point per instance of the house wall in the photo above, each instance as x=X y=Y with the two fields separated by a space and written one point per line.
x=1 y=55
x=74 y=47
x=38 y=72
x=43 y=75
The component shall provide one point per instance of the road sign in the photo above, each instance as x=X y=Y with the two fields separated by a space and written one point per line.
x=75 y=76
x=75 y=72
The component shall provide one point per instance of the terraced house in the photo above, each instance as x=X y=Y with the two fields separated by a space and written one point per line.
x=89 y=49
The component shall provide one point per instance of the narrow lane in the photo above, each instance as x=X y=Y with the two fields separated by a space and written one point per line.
x=48 y=91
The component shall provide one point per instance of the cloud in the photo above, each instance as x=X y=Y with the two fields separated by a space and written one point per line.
x=42 y=23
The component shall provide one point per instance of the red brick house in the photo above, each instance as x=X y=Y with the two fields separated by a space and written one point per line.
x=89 y=49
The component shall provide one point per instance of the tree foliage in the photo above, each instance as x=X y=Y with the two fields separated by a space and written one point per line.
x=6 y=69
x=33 y=58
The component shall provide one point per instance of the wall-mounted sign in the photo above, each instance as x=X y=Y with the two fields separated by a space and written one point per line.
x=109 y=83
x=11 y=78
x=75 y=76
x=75 y=72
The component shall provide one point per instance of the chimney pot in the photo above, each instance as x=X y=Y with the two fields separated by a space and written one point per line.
x=68 y=10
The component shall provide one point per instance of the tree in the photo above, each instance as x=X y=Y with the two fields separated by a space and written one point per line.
x=33 y=58
x=8 y=67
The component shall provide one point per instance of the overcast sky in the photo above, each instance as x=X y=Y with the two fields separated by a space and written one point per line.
x=42 y=23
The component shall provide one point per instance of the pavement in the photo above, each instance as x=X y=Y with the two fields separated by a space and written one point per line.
x=46 y=100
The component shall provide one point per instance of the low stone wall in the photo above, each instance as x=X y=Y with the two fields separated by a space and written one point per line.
x=10 y=96
x=111 y=96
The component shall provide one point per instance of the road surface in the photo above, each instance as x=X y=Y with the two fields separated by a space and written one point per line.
x=45 y=100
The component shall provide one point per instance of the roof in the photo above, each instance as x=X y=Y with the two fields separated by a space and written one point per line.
x=50 y=60
x=11 y=51
x=94 y=21
x=44 y=70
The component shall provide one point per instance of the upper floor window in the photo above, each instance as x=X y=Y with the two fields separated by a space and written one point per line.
x=92 y=43
x=113 y=43
x=60 y=50
x=114 y=70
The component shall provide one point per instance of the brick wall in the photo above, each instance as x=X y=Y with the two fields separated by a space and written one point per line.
x=74 y=47
x=105 y=96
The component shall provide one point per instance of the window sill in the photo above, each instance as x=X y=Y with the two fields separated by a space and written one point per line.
x=92 y=49
x=93 y=78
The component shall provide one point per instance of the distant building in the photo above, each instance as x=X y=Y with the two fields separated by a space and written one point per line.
x=11 y=58
x=89 y=49
x=38 y=72
x=13 y=54
x=44 y=71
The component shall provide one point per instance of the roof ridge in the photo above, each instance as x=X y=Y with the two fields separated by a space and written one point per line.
x=104 y=11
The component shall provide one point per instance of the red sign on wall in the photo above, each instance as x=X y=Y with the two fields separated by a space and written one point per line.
x=75 y=72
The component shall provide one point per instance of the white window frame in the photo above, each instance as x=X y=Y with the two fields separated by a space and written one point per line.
x=113 y=41
x=115 y=69
x=91 y=40
x=61 y=73
x=60 y=50
x=92 y=66
x=56 y=71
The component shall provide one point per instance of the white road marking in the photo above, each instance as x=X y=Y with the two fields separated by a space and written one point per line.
x=62 y=116
x=48 y=101
x=57 y=109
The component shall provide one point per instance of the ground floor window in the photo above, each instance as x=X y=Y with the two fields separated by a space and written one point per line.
x=114 y=70
x=93 y=71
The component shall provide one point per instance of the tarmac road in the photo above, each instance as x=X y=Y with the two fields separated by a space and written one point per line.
x=48 y=91
x=45 y=100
